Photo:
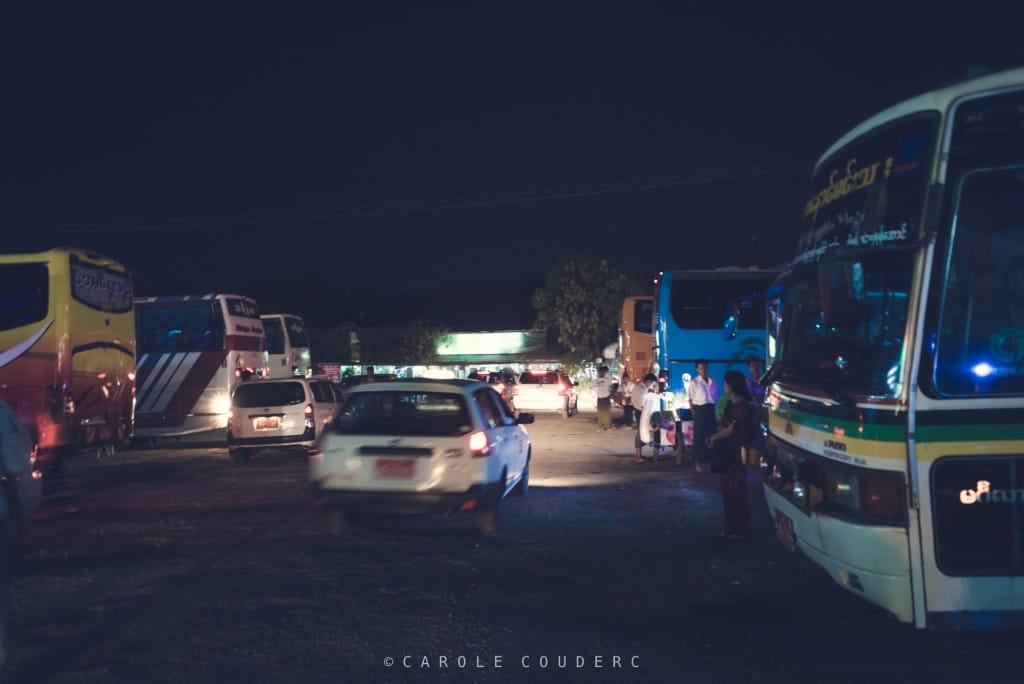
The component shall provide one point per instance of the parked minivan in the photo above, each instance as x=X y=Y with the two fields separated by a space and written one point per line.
x=279 y=414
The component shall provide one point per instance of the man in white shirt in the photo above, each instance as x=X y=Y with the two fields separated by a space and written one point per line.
x=648 y=401
x=603 y=390
x=702 y=393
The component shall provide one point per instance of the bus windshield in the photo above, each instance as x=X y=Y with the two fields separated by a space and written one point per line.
x=980 y=346
x=844 y=321
x=296 y=332
x=843 y=310
x=179 y=327
x=275 y=334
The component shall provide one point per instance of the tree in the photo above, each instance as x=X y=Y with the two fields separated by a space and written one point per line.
x=419 y=342
x=580 y=303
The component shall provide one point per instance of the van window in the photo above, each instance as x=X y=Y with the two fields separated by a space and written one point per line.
x=265 y=393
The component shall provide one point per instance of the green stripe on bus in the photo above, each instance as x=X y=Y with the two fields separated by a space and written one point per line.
x=971 y=433
x=849 y=428
x=897 y=433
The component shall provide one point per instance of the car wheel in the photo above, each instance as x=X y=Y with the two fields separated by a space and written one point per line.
x=522 y=487
x=238 y=454
x=489 y=515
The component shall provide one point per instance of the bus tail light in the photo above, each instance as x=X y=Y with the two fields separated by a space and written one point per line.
x=479 y=445
x=310 y=417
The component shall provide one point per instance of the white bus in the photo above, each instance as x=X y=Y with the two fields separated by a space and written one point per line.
x=896 y=361
x=192 y=351
x=287 y=346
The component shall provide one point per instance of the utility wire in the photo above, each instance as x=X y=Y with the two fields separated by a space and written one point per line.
x=398 y=208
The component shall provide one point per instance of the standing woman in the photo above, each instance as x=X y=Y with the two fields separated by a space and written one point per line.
x=737 y=427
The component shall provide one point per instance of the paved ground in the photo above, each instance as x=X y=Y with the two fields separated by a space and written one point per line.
x=180 y=566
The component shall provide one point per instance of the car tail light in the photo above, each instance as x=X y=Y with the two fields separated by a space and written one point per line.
x=479 y=445
x=562 y=389
x=309 y=416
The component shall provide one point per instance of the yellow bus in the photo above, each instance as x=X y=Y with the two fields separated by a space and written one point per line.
x=67 y=349
x=636 y=336
x=896 y=365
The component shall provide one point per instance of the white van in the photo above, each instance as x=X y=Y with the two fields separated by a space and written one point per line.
x=279 y=414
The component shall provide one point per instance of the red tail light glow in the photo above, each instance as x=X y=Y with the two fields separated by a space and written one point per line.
x=479 y=445
x=309 y=416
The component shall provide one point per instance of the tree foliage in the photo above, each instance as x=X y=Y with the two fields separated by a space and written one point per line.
x=419 y=342
x=580 y=304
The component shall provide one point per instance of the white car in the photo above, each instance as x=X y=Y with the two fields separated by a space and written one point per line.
x=547 y=390
x=423 y=445
x=279 y=414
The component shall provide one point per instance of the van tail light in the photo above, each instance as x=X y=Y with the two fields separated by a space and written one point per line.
x=310 y=418
x=562 y=389
x=479 y=445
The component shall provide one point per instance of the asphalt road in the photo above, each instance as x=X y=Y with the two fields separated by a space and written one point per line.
x=177 y=565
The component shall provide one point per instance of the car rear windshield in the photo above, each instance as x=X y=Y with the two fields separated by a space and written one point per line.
x=426 y=414
x=550 y=378
x=264 y=393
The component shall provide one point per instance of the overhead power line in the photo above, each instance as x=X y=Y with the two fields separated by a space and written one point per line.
x=397 y=208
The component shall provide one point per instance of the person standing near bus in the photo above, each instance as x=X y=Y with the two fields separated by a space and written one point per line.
x=736 y=430
x=702 y=393
x=626 y=393
x=647 y=402
x=603 y=390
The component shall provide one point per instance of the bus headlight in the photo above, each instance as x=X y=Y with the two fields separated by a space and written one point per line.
x=799 y=493
x=873 y=494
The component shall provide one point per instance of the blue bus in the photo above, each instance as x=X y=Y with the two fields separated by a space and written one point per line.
x=688 y=308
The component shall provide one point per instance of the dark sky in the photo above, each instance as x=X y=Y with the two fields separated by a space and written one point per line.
x=323 y=160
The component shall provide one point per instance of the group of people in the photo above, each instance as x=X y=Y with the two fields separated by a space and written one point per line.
x=732 y=434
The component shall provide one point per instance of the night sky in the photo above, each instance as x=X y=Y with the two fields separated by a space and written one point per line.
x=328 y=161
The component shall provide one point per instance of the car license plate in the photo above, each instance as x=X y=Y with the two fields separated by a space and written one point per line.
x=784 y=529
x=266 y=423
x=394 y=468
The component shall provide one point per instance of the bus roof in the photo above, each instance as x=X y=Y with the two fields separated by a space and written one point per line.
x=189 y=298
x=936 y=100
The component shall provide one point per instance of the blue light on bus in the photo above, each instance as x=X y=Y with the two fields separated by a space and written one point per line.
x=892 y=377
x=983 y=370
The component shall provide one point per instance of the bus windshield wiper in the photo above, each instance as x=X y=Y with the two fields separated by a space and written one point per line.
x=833 y=391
